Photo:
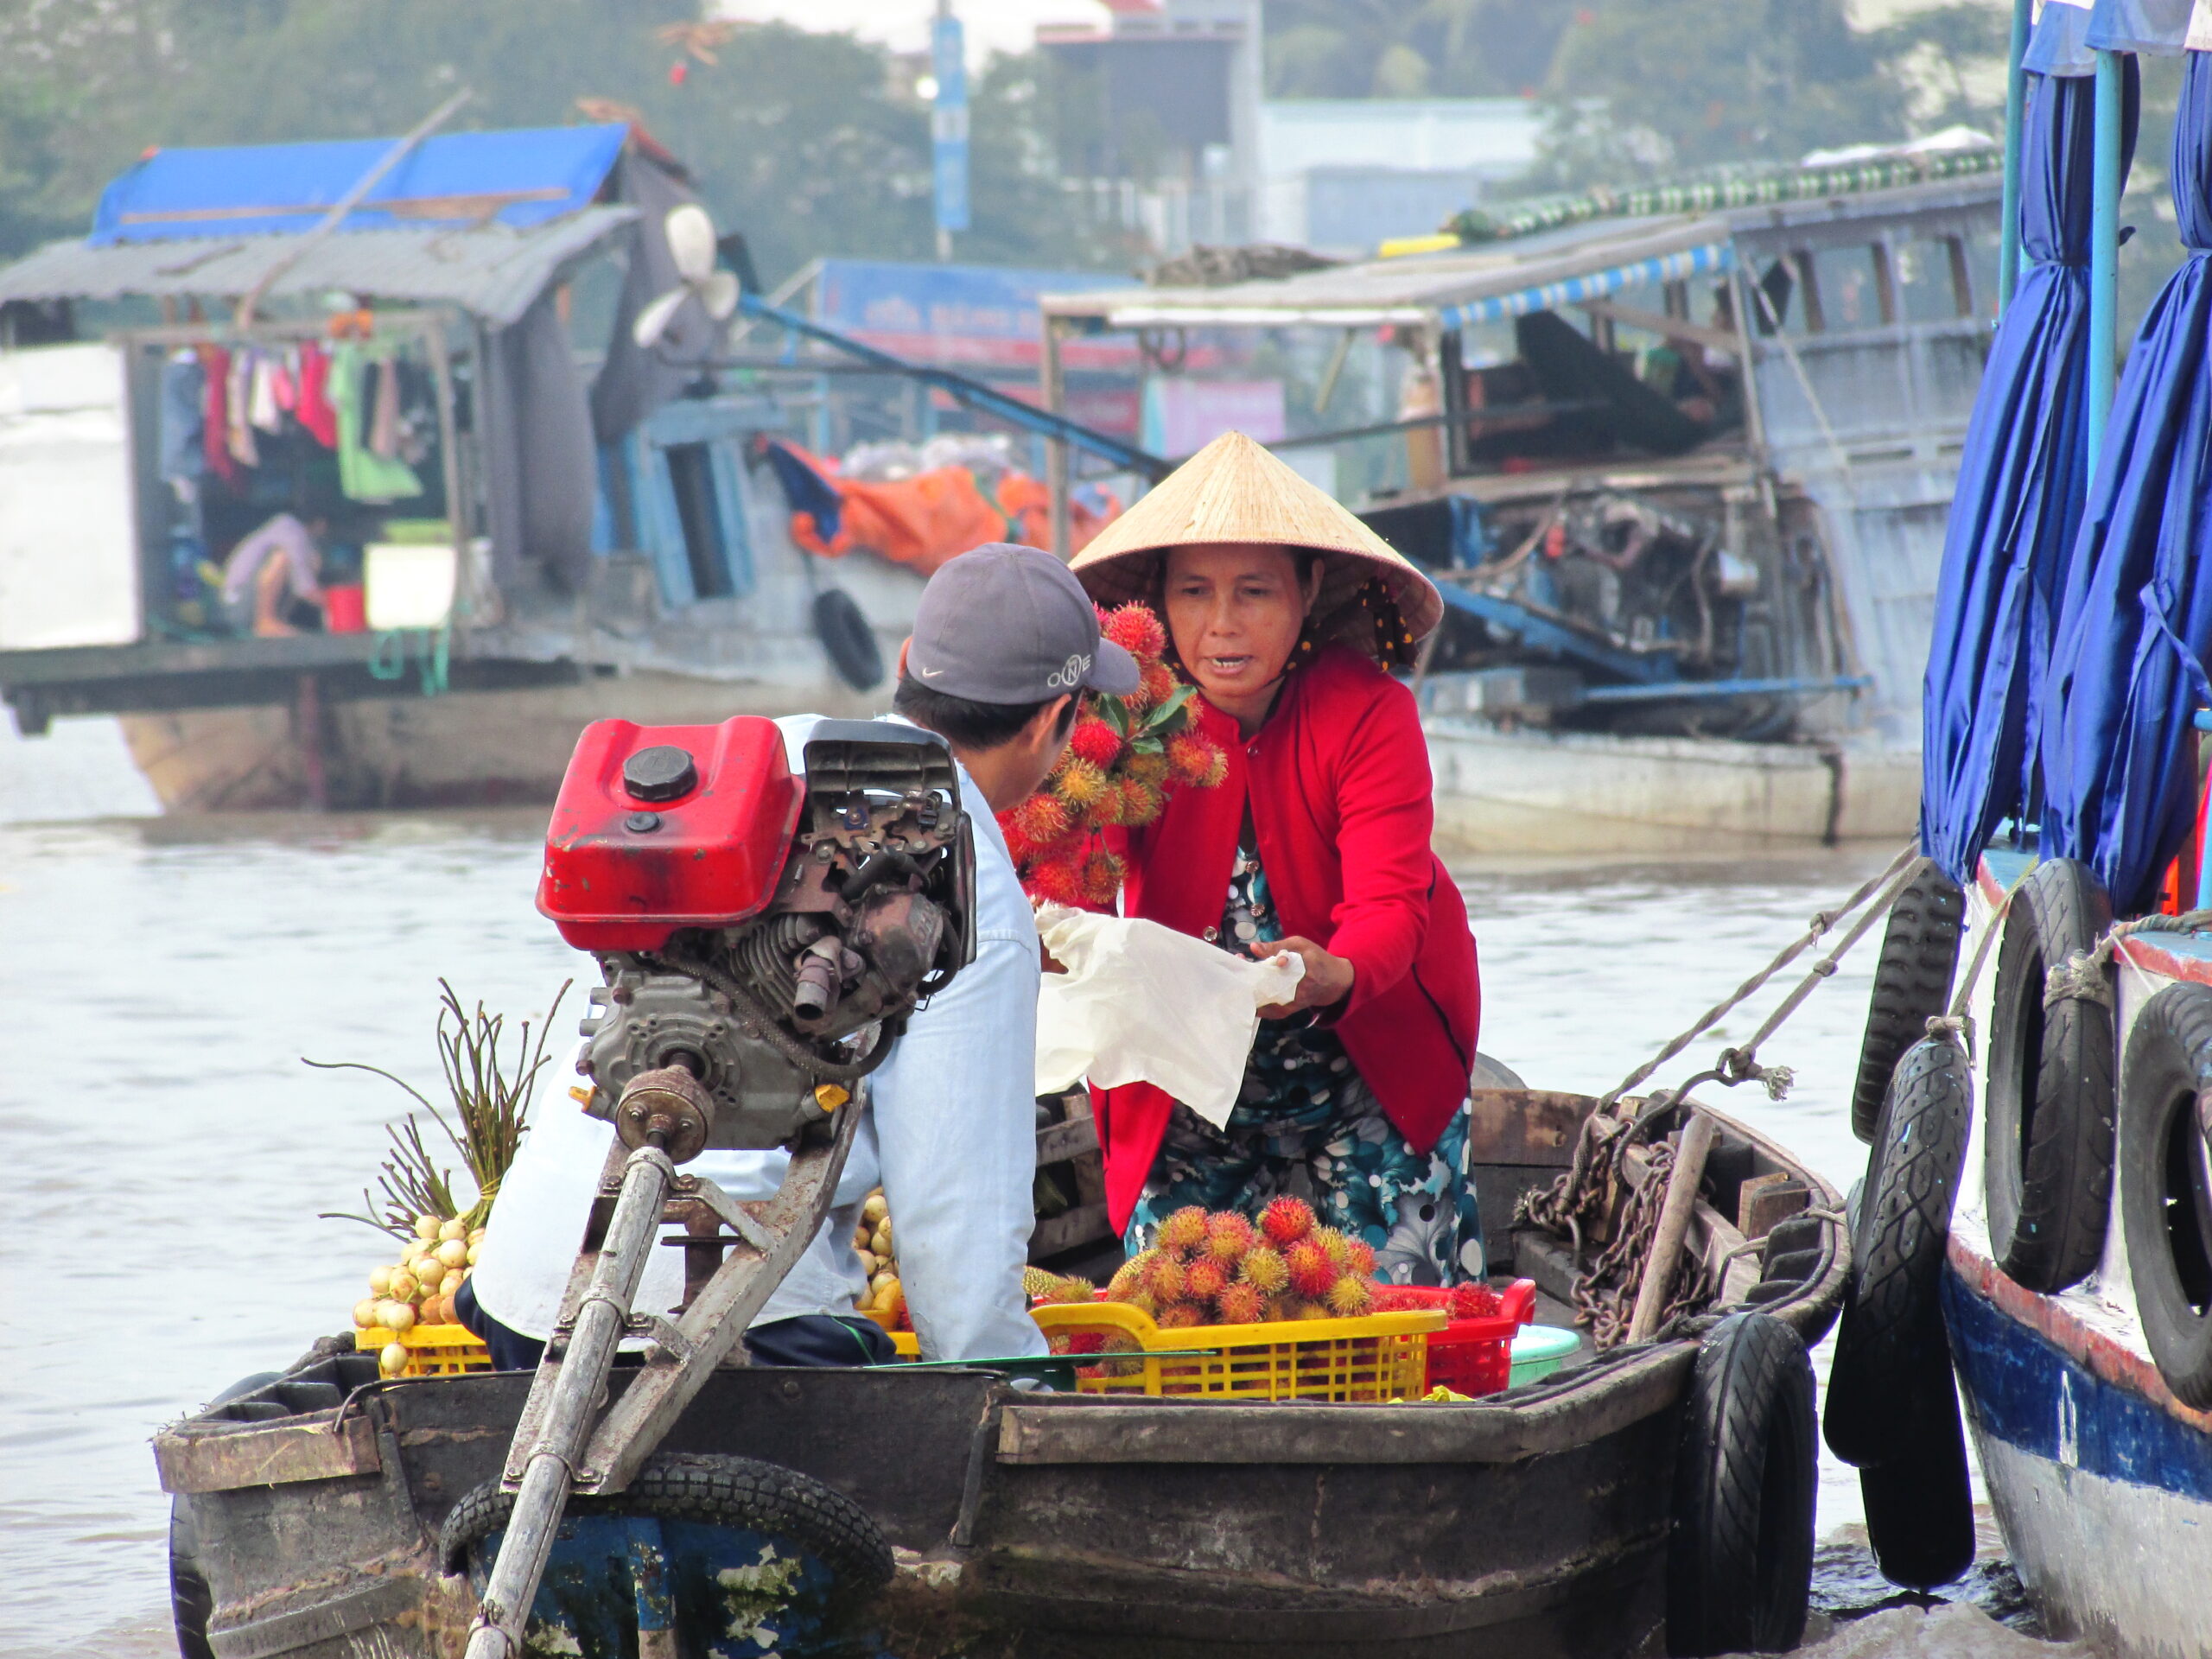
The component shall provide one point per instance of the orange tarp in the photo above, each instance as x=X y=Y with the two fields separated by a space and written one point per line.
x=933 y=517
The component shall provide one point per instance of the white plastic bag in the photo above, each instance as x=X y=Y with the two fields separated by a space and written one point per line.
x=1142 y=1003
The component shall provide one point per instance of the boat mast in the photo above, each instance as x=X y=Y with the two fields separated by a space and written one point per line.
x=2104 y=250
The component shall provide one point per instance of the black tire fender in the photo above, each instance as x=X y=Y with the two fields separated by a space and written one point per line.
x=1919 y=1503
x=847 y=637
x=720 y=1491
x=2047 y=1145
x=1912 y=984
x=2165 y=1184
x=1900 y=1231
x=1740 y=1556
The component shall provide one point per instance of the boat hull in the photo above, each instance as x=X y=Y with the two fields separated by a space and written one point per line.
x=1574 y=792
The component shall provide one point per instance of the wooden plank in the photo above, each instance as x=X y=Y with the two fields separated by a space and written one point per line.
x=212 y=1457
x=1069 y=1229
x=1079 y=1430
x=1524 y=1126
x=1765 y=1199
x=1057 y=1143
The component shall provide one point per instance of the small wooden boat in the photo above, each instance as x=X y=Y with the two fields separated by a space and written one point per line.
x=1535 y=1523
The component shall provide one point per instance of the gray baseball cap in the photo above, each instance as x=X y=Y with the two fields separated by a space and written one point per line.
x=1012 y=625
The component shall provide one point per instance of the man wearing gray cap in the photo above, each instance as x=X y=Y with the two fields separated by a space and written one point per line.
x=1004 y=643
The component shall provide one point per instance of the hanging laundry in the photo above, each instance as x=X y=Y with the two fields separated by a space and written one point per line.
x=215 y=421
x=284 y=381
x=383 y=420
x=362 y=475
x=418 y=411
x=261 y=399
x=313 y=408
x=237 y=399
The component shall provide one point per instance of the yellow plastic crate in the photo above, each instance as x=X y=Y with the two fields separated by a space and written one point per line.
x=1377 y=1357
x=432 y=1350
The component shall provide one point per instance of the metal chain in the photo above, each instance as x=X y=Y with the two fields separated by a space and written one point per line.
x=1592 y=1187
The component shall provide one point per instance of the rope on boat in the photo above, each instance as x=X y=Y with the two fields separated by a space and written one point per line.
x=1596 y=1186
x=2085 y=975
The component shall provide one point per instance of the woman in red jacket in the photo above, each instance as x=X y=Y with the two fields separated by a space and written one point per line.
x=1287 y=611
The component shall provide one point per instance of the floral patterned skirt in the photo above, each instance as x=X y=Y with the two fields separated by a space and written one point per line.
x=1416 y=1209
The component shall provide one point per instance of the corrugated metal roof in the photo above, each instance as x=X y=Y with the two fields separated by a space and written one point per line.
x=520 y=177
x=1409 y=290
x=493 y=269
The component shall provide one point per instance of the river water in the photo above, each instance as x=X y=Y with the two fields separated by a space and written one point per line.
x=167 y=1155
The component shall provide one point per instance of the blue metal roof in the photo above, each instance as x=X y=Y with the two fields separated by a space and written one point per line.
x=519 y=178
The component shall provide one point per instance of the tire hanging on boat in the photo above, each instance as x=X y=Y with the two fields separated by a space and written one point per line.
x=1919 y=1502
x=740 y=1492
x=1739 y=1560
x=2047 y=1145
x=847 y=637
x=1878 y=1388
x=2165 y=1184
x=1912 y=984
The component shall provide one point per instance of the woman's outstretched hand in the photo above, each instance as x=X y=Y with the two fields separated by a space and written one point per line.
x=1327 y=980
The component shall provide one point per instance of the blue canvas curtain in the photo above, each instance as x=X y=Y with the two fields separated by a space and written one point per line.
x=2128 y=666
x=2018 y=500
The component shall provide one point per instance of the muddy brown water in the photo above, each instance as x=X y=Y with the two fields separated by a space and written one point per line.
x=165 y=1154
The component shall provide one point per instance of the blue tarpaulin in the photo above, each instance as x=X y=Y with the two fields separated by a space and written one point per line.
x=2018 y=500
x=2060 y=45
x=520 y=177
x=2159 y=27
x=2128 y=666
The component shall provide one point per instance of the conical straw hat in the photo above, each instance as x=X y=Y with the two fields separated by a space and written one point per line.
x=1234 y=491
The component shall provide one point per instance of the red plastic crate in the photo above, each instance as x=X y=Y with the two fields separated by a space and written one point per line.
x=1469 y=1356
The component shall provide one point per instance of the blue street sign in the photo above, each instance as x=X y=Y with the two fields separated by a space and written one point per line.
x=949 y=123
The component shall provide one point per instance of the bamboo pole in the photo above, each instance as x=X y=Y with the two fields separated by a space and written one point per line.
x=1674 y=1212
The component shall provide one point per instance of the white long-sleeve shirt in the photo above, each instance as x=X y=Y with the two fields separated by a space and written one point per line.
x=951 y=1136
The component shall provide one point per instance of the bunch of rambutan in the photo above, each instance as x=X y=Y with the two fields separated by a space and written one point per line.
x=1222 y=1269
x=1122 y=756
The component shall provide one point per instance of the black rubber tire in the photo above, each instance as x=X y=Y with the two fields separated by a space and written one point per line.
x=1876 y=1387
x=720 y=1491
x=2165 y=1187
x=845 y=635
x=2047 y=1145
x=1739 y=1559
x=191 y=1603
x=1912 y=984
x=1920 y=1502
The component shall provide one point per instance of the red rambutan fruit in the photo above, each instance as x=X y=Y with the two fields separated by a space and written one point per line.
x=1359 y=1256
x=1474 y=1301
x=1101 y=878
x=1128 y=1277
x=1042 y=819
x=1163 y=1279
x=1135 y=628
x=1139 y=804
x=1240 y=1304
x=1190 y=756
x=1263 y=1268
x=1079 y=783
x=1286 y=1220
x=1228 y=1236
x=1337 y=1248
x=1185 y=1229
x=1094 y=741
x=1204 y=1279
x=1146 y=769
x=1182 y=1317
x=1084 y=1342
x=1159 y=685
x=1302 y=1309
x=1056 y=883
x=1350 y=1297
x=1217 y=773
x=1312 y=1273
x=1066 y=1292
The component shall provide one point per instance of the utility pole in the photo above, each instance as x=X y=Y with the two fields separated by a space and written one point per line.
x=949 y=126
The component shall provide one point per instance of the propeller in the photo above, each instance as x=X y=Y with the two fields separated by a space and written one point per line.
x=691 y=244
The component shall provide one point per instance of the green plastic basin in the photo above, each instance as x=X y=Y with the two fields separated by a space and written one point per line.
x=1540 y=1350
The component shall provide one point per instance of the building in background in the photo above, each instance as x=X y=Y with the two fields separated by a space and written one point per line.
x=1340 y=175
x=1172 y=89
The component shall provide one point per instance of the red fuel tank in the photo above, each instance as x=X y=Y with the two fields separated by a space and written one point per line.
x=665 y=827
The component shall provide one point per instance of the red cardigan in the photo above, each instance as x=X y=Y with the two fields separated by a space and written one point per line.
x=1340 y=791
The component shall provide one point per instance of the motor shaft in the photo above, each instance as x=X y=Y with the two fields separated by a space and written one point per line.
x=585 y=1364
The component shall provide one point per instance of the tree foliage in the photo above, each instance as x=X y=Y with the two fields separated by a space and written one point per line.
x=800 y=140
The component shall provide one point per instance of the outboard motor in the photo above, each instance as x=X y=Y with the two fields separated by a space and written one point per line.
x=763 y=938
